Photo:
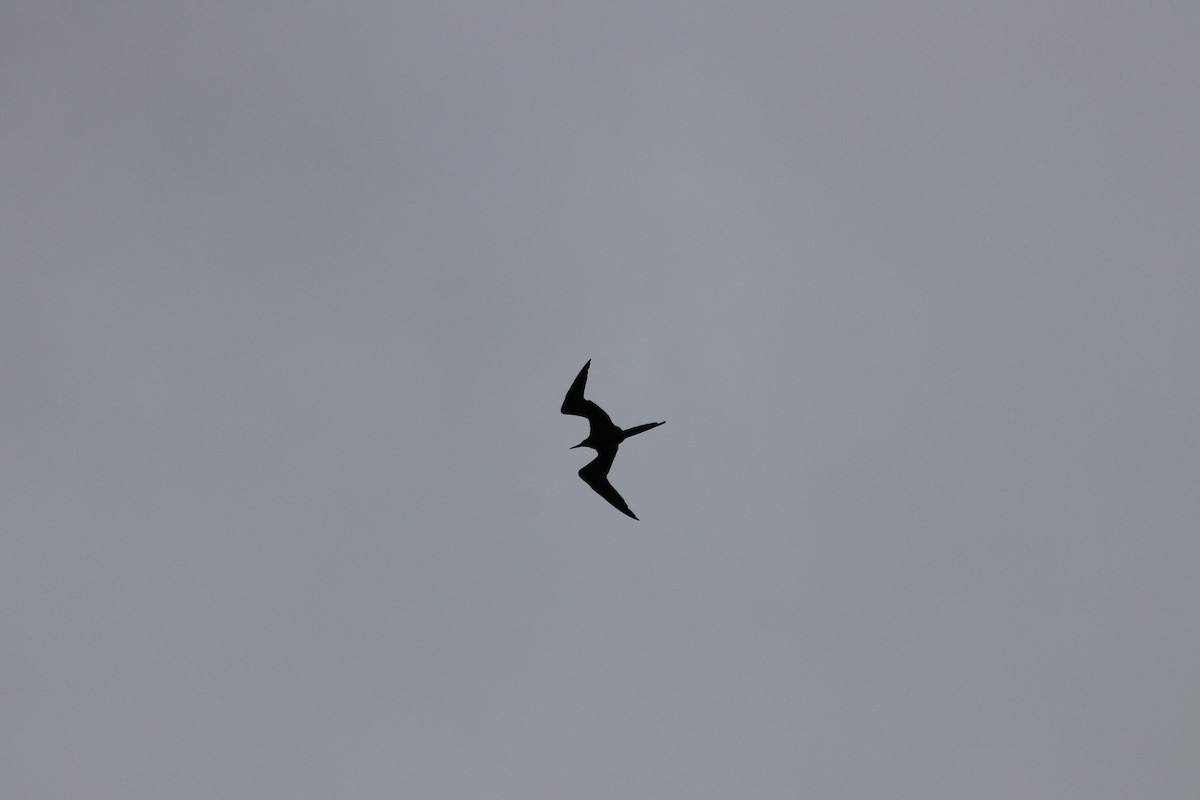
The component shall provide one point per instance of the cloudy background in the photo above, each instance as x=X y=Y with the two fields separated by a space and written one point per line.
x=289 y=297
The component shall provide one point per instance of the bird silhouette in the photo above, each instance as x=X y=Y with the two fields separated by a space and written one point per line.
x=604 y=437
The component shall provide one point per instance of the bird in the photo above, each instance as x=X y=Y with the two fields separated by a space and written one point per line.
x=604 y=437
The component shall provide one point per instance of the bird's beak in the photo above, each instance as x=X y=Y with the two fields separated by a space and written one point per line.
x=574 y=446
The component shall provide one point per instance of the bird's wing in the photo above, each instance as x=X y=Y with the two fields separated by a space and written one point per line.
x=574 y=403
x=595 y=475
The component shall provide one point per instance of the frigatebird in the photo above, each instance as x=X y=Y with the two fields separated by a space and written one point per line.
x=604 y=437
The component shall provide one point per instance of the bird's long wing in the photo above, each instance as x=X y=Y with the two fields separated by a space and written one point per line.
x=595 y=475
x=574 y=403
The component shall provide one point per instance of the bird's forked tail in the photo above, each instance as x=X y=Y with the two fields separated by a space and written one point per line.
x=636 y=429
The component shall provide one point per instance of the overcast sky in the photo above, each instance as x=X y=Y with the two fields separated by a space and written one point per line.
x=290 y=294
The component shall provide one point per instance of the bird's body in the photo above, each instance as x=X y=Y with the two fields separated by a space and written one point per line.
x=604 y=437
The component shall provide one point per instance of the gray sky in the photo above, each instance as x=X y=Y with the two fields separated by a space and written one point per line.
x=290 y=294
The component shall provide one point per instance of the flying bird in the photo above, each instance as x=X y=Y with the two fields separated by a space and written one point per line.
x=604 y=438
